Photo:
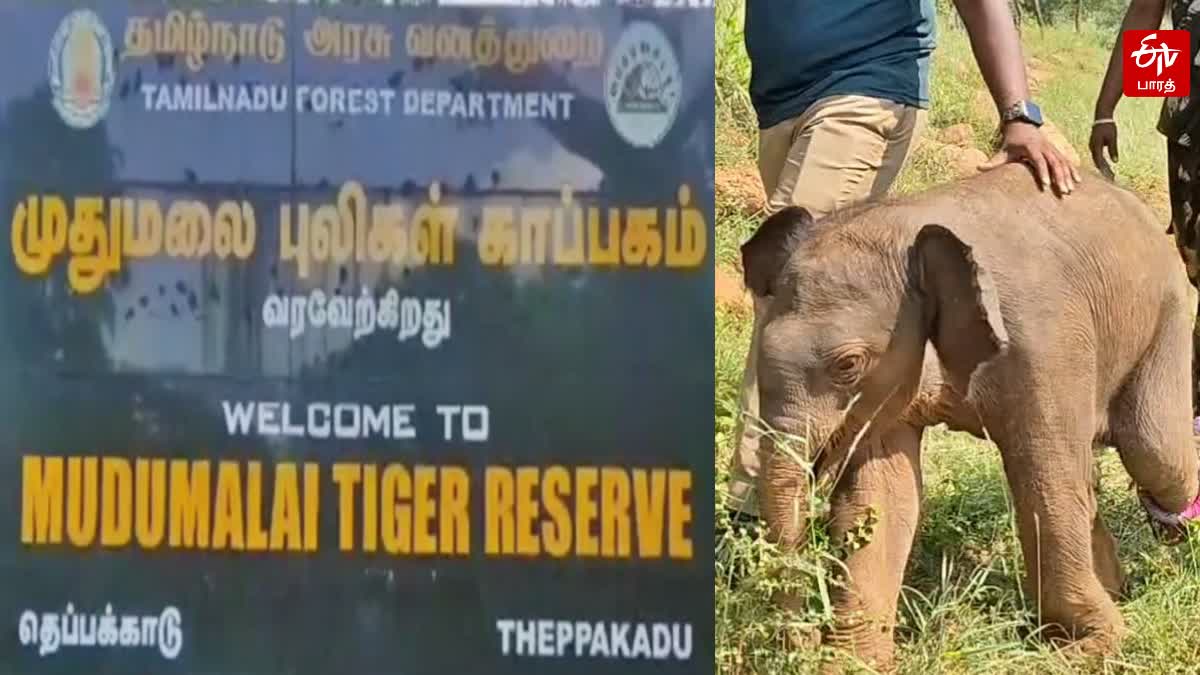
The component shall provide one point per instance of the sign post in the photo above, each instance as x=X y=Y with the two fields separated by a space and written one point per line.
x=355 y=339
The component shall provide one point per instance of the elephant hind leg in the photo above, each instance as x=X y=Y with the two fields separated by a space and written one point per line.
x=1150 y=420
x=1104 y=558
x=1049 y=464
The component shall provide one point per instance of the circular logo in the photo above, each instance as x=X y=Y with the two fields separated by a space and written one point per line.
x=81 y=69
x=642 y=85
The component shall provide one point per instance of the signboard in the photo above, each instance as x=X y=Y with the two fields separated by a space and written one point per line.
x=356 y=340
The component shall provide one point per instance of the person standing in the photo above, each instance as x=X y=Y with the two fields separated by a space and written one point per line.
x=1179 y=123
x=841 y=91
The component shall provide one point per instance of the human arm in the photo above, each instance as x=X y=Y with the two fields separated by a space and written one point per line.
x=1141 y=15
x=997 y=49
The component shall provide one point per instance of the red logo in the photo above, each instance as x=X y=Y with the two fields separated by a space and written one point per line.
x=1156 y=63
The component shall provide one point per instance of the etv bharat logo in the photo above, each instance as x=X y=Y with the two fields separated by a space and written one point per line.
x=1152 y=63
x=81 y=69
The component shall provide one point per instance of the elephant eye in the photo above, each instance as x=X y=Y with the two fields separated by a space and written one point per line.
x=849 y=367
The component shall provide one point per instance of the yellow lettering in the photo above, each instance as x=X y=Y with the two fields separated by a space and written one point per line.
x=41 y=500
x=568 y=232
x=534 y=223
x=679 y=543
x=143 y=238
x=586 y=511
x=556 y=489
x=116 y=523
x=197 y=39
x=385 y=233
x=370 y=507
x=423 y=509
x=189 y=504
x=285 y=510
x=455 y=519
x=256 y=534
x=151 y=493
x=649 y=488
x=498 y=243
x=687 y=234
x=606 y=253
x=614 y=511
x=397 y=514
x=100 y=233
x=293 y=245
x=641 y=244
x=39 y=234
x=228 y=513
x=527 y=510
x=498 y=510
x=82 y=500
x=312 y=504
x=346 y=475
x=95 y=248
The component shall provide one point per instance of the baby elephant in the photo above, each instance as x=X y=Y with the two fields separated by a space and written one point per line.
x=1046 y=325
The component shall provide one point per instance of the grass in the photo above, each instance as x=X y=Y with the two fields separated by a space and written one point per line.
x=962 y=610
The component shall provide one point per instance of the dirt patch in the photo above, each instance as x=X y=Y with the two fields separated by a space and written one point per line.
x=984 y=107
x=961 y=162
x=961 y=135
x=731 y=136
x=1038 y=74
x=731 y=292
x=966 y=161
x=735 y=145
x=740 y=188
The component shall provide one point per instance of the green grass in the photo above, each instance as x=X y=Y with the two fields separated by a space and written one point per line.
x=962 y=610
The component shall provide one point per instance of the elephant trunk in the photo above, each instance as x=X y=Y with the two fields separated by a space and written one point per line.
x=783 y=497
x=788 y=456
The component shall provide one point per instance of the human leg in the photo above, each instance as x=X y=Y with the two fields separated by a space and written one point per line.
x=843 y=150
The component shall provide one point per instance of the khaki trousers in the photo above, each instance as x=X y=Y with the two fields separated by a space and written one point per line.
x=841 y=151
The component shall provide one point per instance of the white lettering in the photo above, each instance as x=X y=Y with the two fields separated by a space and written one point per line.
x=423 y=320
x=551 y=638
x=238 y=417
x=491 y=105
x=318 y=429
x=505 y=626
x=49 y=632
x=197 y=97
x=347 y=420
x=268 y=416
x=321 y=419
x=261 y=98
x=474 y=427
x=1159 y=57
x=290 y=428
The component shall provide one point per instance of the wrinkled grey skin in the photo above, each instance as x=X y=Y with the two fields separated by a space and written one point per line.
x=1046 y=325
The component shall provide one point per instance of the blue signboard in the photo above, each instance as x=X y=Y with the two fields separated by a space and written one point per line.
x=356 y=340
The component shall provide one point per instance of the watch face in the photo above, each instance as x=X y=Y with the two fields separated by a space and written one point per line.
x=1033 y=112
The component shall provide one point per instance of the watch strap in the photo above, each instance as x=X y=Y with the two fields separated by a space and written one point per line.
x=1017 y=112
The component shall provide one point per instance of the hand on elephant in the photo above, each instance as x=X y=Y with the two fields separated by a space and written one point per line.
x=1020 y=142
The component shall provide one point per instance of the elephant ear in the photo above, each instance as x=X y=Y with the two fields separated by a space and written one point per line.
x=961 y=307
x=765 y=253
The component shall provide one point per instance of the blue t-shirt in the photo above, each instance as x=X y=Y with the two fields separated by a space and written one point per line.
x=803 y=50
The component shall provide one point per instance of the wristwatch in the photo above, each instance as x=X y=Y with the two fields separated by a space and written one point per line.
x=1022 y=111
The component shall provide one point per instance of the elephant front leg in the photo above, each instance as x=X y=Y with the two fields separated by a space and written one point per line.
x=882 y=485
